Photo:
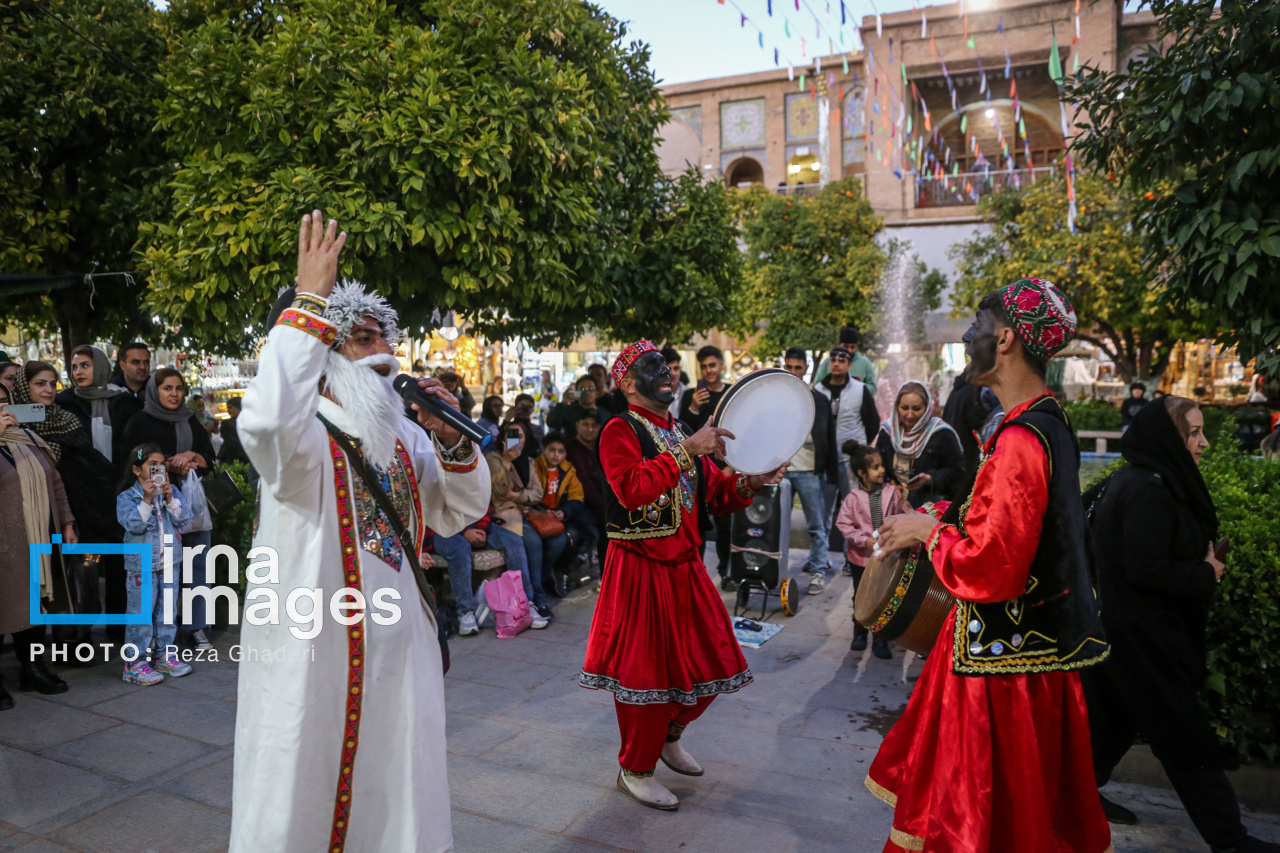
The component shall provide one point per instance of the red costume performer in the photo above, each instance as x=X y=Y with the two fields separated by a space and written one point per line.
x=661 y=639
x=992 y=754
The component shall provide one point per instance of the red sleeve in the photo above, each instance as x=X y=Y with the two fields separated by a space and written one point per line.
x=991 y=563
x=722 y=491
x=635 y=480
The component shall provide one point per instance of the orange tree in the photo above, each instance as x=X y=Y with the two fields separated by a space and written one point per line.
x=1100 y=267
x=491 y=158
x=812 y=266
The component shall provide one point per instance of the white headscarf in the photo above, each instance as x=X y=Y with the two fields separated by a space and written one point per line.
x=910 y=443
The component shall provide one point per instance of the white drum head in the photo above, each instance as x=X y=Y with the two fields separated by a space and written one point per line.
x=771 y=414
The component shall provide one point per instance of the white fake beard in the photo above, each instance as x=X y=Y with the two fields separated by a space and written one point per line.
x=370 y=400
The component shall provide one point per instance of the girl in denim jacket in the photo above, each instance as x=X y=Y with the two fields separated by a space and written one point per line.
x=149 y=509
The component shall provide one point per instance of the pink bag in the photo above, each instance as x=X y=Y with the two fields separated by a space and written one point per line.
x=505 y=597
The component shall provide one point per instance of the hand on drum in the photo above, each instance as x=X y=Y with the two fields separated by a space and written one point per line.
x=773 y=478
x=903 y=531
x=709 y=439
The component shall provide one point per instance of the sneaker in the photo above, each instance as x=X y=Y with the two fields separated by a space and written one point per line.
x=482 y=605
x=728 y=584
x=817 y=583
x=467 y=625
x=139 y=672
x=539 y=621
x=808 y=569
x=170 y=664
x=847 y=570
x=542 y=610
x=200 y=641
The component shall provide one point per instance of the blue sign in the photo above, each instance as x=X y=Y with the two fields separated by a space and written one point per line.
x=38 y=618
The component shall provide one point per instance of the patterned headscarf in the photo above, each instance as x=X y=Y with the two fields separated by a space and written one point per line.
x=59 y=426
x=1041 y=315
x=630 y=356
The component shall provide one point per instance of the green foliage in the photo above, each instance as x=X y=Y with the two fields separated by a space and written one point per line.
x=1093 y=415
x=235 y=526
x=812 y=266
x=80 y=162
x=1099 y=267
x=1196 y=136
x=1243 y=637
x=493 y=158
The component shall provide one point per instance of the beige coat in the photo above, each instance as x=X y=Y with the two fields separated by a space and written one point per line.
x=505 y=479
x=15 y=556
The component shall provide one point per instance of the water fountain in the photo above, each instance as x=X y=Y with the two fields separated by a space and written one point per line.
x=896 y=306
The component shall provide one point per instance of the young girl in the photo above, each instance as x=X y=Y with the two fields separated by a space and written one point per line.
x=149 y=507
x=861 y=514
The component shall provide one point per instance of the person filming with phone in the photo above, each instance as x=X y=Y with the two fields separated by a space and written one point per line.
x=1155 y=541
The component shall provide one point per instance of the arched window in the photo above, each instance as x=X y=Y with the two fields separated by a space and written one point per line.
x=744 y=171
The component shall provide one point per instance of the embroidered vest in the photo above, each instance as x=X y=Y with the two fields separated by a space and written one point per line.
x=1055 y=624
x=664 y=516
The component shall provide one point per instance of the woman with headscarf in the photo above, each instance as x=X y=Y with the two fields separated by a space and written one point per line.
x=921 y=452
x=103 y=408
x=166 y=421
x=31 y=496
x=1153 y=526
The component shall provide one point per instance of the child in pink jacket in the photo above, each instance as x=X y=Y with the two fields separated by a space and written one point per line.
x=864 y=509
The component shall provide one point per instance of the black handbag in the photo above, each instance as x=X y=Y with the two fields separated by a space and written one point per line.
x=220 y=491
x=356 y=460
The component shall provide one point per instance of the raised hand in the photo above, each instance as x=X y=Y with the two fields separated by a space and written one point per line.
x=318 y=250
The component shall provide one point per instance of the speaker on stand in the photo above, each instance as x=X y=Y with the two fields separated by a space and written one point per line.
x=760 y=536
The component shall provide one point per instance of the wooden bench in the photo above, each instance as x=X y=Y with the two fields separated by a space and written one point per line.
x=1099 y=437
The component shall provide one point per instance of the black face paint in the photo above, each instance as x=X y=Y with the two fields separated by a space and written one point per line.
x=650 y=371
x=980 y=346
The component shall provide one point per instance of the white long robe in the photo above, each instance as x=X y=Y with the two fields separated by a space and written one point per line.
x=292 y=717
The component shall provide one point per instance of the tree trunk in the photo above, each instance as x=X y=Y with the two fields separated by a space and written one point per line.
x=70 y=307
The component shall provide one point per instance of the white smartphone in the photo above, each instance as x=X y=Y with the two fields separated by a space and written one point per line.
x=27 y=413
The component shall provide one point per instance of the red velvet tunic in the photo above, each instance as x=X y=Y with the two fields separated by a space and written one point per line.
x=660 y=632
x=998 y=763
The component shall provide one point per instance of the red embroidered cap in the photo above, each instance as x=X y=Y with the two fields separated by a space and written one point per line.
x=1041 y=315
x=629 y=356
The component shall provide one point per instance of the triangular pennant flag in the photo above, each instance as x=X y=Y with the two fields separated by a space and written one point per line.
x=964 y=123
x=775 y=53
x=786 y=26
x=846 y=61
x=1022 y=128
x=1008 y=64
x=791 y=71
x=760 y=37
x=890 y=50
x=801 y=81
x=924 y=26
x=769 y=7
x=1076 y=62
x=842 y=14
x=903 y=66
x=1000 y=24
x=817 y=65
x=743 y=22
x=914 y=91
x=879 y=26
x=908 y=124
x=933 y=47
x=1055 y=63
x=803 y=54
x=972 y=46
x=1013 y=88
x=797 y=5
x=982 y=87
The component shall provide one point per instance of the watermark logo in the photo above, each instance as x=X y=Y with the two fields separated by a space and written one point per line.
x=303 y=606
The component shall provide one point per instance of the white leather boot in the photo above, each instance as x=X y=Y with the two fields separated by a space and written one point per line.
x=675 y=757
x=647 y=791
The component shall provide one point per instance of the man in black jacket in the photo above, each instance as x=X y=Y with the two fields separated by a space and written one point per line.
x=813 y=466
x=966 y=414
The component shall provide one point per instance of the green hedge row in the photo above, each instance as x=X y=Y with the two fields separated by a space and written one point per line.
x=1242 y=691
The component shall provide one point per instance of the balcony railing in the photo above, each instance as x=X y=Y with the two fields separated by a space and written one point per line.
x=968 y=187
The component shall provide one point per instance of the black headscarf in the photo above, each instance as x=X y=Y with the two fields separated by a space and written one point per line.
x=1153 y=442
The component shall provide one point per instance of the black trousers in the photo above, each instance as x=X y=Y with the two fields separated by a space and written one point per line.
x=23 y=640
x=724 y=539
x=115 y=599
x=1187 y=750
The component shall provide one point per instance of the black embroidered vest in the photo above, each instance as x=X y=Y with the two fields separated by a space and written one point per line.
x=1055 y=624
x=663 y=517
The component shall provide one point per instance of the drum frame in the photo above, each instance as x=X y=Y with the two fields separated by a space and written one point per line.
x=738 y=386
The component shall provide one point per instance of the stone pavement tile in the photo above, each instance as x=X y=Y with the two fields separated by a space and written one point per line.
x=128 y=752
x=477 y=834
x=500 y=672
x=89 y=686
x=40 y=845
x=757 y=708
x=208 y=678
x=619 y=821
x=483 y=700
x=588 y=760
x=1163 y=823
x=11 y=838
x=476 y=642
x=468 y=735
x=182 y=712
x=35 y=724
x=825 y=808
x=516 y=796
x=563 y=633
x=864 y=728
x=34 y=788
x=210 y=785
x=149 y=823
x=567 y=713
x=823 y=761
x=532 y=649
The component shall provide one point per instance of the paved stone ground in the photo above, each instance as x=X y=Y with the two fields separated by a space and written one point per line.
x=114 y=768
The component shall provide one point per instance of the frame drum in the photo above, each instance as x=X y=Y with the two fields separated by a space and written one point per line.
x=770 y=413
x=901 y=599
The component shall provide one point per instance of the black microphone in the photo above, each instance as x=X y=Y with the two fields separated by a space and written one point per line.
x=407 y=387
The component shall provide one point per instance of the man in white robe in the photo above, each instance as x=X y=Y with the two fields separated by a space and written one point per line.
x=340 y=738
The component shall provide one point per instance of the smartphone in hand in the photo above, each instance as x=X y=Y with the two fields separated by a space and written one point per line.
x=27 y=413
x=702 y=385
x=1222 y=549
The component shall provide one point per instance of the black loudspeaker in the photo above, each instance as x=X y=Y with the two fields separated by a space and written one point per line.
x=761 y=535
